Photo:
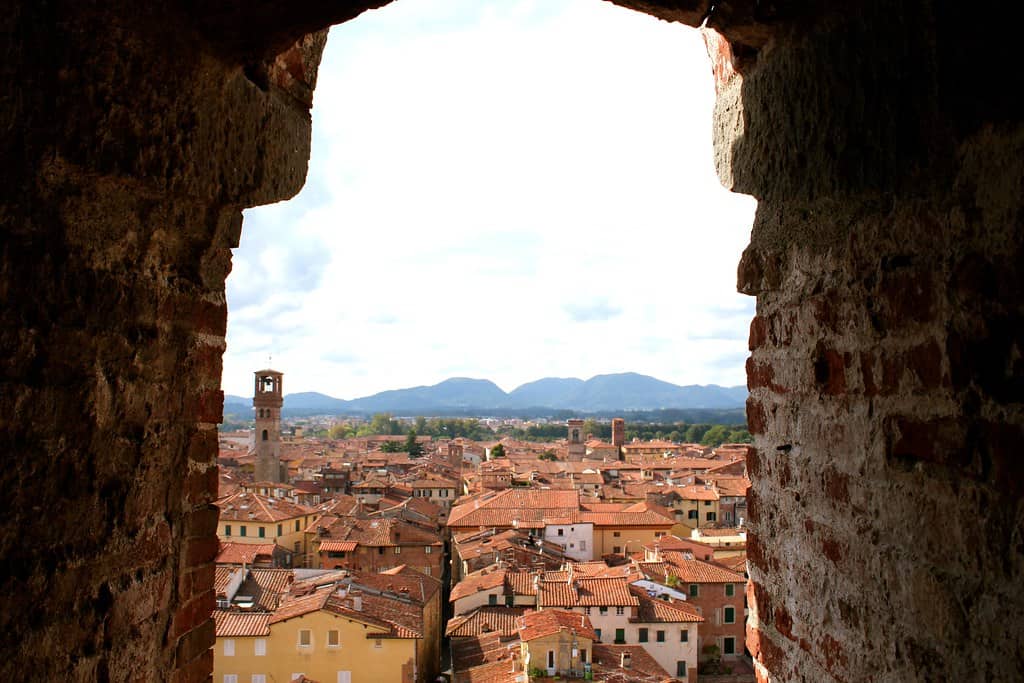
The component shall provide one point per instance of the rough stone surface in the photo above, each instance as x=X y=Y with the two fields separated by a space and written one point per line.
x=886 y=372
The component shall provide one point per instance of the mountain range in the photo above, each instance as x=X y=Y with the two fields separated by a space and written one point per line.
x=624 y=392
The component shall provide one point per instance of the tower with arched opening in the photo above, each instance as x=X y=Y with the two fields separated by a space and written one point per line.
x=267 y=401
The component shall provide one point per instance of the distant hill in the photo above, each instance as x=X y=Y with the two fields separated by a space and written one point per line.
x=622 y=392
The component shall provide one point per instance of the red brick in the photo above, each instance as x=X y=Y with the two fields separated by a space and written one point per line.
x=193 y=613
x=837 y=485
x=196 y=581
x=210 y=408
x=201 y=550
x=829 y=371
x=753 y=462
x=832 y=650
x=784 y=622
x=209 y=317
x=833 y=550
x=201 y=486
x=758 y=333
x=867 y=362
x=941 y=441
x=196 y=642
x=202 y=446
x=925 y=361
x=198 y=670
x=201 y=523
x=756 y=416
x=762 y=375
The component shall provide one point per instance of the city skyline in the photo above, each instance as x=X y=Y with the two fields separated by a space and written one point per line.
x=522 y=214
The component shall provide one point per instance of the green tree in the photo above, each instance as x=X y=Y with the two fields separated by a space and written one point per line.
x=714 y=436
x=548 y=455
x=498 y=451
x=412 y=446
x=392 y=447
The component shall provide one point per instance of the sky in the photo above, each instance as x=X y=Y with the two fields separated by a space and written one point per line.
x=498 y=189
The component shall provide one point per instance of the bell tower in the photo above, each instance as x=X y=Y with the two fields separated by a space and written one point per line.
x=267 y=400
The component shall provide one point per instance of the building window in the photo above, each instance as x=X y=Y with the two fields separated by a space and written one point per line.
x=227 y=529
x=229 y=648
x=264 y=434
x=398 y=550
x=597 y=632
x=730 y=590
x=242 y=531
x=428 y=550
x=280 y=530
x=263 y=532
x=260 y=647
x=681 y=669
x=691 y=514
x=583 y=545
x=642 y=635
x=586 y=610
x=712 y=517
x=694 y=590
x=616 y=534
x=561 y=532
x=259 y=678
x=333 y=638
x=297 y=525
x=620 y=636
x=583 y=656
x=298 y=546
x=551 y=659
x=729 y=646
x=730 y=615
x=378 y=643
x=492 y=599
x=617 y=549
x=305 y=638
x=603 y=610
x=707 y=503
x=619 y=611
x=659 y=636
x=684 y=636
x=230 y=678
x=426 y=570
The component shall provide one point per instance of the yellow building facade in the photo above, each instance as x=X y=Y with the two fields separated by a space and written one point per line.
x=325 y=647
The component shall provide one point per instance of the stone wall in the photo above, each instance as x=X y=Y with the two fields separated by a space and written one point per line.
x=884 y=145
x=129 y=149
x=885 y=368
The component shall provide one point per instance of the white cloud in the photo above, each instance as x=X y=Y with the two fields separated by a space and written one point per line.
x=506 y=190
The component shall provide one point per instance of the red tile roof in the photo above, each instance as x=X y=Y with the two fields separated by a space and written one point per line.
x=241 y=624
x=501 y=620
x=539 y=624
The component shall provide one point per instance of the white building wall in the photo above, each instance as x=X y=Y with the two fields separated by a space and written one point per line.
x=576 y=539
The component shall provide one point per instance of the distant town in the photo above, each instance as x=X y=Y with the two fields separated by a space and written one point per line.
x=421 y=548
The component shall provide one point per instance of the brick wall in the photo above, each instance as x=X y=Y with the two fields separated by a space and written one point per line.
x=884 y=367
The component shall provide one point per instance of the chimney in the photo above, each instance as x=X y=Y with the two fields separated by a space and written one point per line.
x=569 y=580
x=357 y=603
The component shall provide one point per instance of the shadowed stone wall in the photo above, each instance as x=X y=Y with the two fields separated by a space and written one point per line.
x=884 y=145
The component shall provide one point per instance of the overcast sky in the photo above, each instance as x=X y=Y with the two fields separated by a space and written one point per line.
x=503 y=190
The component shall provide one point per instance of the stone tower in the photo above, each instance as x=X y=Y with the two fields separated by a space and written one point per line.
x=267 y=401
x=577 y=446
x=619 y=434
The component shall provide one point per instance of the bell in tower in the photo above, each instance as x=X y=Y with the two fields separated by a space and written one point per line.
x=268 y=397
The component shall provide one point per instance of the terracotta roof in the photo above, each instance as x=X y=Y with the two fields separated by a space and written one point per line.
x=332 y=546
x=586 y=592
x=501 y=508
x=655 y=610
x=243 y=553
x=538 y=624
x=482 y=580
x=295 y=606
x=501 y=620
x=252 y=507
x=241 y=624
x=606 y=660
x=689 y=570
x=379 y=531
